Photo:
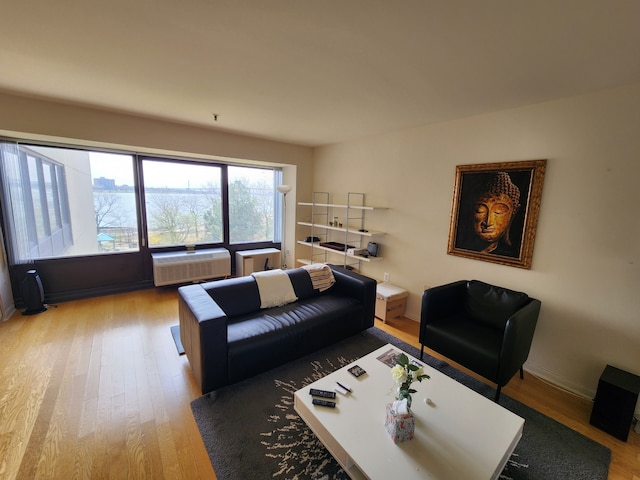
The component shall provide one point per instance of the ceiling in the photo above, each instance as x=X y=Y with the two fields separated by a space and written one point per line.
x=316 y=72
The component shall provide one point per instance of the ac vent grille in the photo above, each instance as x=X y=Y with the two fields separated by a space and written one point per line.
x=181 y=267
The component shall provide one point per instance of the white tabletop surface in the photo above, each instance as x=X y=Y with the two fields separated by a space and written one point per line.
x=461 y=435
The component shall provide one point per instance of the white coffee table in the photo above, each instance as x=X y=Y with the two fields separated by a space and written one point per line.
x=461 y=435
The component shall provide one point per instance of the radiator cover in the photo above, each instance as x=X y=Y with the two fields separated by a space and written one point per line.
x=171 y=268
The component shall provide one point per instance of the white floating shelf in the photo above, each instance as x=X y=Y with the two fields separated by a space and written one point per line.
x=339 y=252
x=335 y=205
x=342 y=229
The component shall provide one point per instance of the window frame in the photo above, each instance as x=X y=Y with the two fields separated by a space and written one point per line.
x=62 y=213
x=82 y=276
x=226 y=242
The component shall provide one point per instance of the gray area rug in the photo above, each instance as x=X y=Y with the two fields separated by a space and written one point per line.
x=251 y=431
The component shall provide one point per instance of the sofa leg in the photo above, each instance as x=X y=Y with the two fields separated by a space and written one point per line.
x=521 y=373
x=421 y=351
x=498 y=394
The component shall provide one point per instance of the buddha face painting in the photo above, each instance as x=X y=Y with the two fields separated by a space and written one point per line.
x=494 y=209
x=494 y=213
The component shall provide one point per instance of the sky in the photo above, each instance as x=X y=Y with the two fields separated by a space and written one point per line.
x=156 y=174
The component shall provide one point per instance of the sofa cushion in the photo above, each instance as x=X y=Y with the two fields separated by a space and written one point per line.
x=468 y=342
x=235 y=296
x=296 y=315
x=275 y=288
x=240 y=296
x=301 y=283
x=492 y=305
x=277 y=335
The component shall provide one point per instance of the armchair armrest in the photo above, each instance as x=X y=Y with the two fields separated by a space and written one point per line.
x=203 y=331
x=439 y=302
x=516 y=343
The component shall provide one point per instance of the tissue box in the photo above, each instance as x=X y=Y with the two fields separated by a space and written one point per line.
x=400 y=427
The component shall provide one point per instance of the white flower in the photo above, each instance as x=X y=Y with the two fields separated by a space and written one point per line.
x=399 y=373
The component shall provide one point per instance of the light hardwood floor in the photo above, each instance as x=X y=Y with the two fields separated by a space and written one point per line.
x=95 y=389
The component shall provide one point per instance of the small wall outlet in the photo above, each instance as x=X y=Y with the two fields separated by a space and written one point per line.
x=386 y=276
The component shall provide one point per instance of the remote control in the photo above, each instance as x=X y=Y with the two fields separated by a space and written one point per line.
x=322 y=393
x=324 y=403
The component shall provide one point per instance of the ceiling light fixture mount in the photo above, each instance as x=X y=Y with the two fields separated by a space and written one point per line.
x=215 y=117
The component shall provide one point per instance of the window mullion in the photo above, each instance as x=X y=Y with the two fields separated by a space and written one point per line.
x=224 y=185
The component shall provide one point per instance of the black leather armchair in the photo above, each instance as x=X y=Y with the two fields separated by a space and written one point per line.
x=485 y=328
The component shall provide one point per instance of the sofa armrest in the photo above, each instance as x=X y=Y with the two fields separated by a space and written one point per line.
x=517 y=339
x=360 y=287
x=441 y=301
x=203 y=332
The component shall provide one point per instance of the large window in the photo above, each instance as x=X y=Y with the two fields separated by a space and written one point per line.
x=251 y=204
x=66 y=202
x=183 y=203
x=114 y=203
x=56 y=205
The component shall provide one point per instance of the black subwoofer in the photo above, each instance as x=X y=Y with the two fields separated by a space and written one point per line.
x=615 y=402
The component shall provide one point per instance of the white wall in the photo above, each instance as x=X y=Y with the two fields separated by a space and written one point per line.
x=586 y=265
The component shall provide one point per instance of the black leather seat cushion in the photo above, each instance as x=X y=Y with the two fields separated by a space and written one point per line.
x=470 y=343
x=274 y=335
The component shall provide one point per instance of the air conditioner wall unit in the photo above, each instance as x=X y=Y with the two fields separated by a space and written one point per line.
x=171 y=268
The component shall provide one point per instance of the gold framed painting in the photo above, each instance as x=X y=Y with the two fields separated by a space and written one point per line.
x=495 y=210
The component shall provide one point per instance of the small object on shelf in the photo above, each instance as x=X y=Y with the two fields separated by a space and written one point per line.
x=341 y=247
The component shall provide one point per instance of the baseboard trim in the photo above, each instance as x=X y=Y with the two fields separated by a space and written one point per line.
x=560 y=382
x=96 y=292
x=8 y=313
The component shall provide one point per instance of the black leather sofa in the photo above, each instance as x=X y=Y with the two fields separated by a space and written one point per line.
x=485 y=328
x=227 y=336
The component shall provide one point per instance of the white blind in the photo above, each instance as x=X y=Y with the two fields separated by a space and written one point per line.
x=13 y=204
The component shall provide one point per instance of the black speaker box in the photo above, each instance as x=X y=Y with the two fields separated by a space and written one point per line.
x=615 y=402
